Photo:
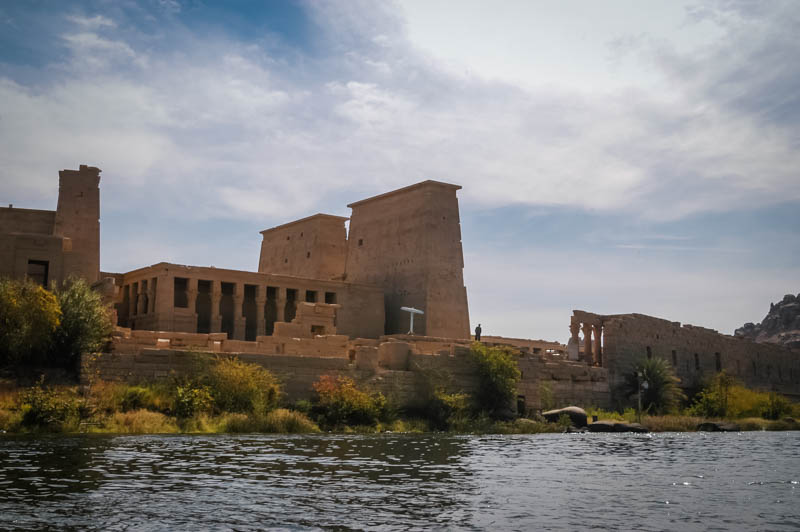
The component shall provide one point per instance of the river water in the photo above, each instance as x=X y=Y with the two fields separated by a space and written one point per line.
x=668 y=481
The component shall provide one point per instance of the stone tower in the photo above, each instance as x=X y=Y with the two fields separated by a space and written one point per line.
x=314 y=247
x=78 y=218
x=408 y=241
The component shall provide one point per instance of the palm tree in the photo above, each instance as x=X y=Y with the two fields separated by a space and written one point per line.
x=659 y=385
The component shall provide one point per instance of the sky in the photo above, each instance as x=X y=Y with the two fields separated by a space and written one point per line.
x=615 y=157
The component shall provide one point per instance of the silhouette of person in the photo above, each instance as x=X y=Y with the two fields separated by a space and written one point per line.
x=478 y=333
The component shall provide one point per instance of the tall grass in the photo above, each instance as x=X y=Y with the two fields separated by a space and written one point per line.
x=137 y=422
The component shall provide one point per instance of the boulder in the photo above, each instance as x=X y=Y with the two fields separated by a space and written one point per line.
x=602 y=426
x=576 y=415
x=629 y=427
x=607 y=425
x=718 y=426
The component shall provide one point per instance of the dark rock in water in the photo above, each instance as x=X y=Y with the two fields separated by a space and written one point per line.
x=602 y=426
x=576 y=415
x=780 y=326
x=615 y=426
x=629 y=427
x=718 y=426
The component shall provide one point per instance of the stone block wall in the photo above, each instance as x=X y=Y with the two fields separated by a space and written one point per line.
x=400 y=370
x=697 y=353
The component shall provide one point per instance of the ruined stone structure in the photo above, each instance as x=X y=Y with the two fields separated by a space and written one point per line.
x=404 y=249
x=409 y=242
x=245 y=305
x=324 y=301
x=314 y=248
x=615 y=342
x=50 y=246
x=399 y=366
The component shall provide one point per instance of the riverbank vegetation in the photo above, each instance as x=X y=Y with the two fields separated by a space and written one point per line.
x=50 y=328
x=226 y=395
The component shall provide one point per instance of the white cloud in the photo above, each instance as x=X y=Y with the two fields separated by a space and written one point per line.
x=219 y=129
x=89 y=23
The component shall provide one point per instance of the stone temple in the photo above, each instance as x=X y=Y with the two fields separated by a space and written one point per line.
x=325 y=300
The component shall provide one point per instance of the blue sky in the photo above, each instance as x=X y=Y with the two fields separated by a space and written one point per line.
x=615 y=156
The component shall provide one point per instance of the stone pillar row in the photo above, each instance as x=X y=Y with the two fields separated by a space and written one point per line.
x=238 y=298
x=592 y=341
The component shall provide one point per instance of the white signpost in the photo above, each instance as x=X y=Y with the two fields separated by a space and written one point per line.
x=411 y=311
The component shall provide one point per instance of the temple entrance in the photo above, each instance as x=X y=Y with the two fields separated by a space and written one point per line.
x=203 y=307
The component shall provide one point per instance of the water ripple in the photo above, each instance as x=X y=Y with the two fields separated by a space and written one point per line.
x=401 y=482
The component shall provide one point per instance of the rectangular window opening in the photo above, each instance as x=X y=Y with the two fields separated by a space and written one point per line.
x=181 y=298
x=311 y=296
x=330 y=298
x=203 y=306
x=38 y=271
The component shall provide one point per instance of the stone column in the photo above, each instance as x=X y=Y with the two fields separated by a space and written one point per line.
x=261 y=302
x=141 y=307
x=587 y=343
x=280 y=304
x=191 y=296
x=151 y=295
x=573 y=349
x=238 y=312
x=598 y=331
x=216 y=297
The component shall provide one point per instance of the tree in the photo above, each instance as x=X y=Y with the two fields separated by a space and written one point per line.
x=498 y=374
x=85 y=323
x=29 y=315
x=661 y=393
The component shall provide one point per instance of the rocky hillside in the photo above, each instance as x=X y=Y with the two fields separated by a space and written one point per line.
x=780 y=326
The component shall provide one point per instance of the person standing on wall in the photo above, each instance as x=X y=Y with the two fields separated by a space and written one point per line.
x=478 y=331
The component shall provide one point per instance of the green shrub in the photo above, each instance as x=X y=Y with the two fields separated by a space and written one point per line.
x=191 y=400
x=777 y=407
x=240 y=387
x=85 y=324
x=44 y=408
x=285 y=421
x=29 y=316
x=339 y=402
x=723 y=396
x=498 y=374
x=110 y=397
x=135 y=398
x=661 y=393
x=446 y=409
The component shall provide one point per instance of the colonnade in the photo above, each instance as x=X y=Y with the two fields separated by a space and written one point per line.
x=592 y=339
x=176 y=312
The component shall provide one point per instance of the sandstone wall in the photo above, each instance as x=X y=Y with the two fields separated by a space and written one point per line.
x=16 y=220
x=314 y=247
x=408 y=241
x=401 y=370
x=78 y=218
x=697 y=353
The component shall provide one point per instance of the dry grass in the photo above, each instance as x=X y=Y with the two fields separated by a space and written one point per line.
x=278 y=421
x=671 y=423
x=138 y=422
x=10 y=419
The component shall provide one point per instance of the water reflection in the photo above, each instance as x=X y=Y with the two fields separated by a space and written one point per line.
x=566 y=482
